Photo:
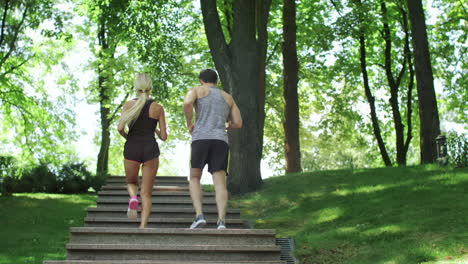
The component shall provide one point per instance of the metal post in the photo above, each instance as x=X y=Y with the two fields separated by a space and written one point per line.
x=442 y=158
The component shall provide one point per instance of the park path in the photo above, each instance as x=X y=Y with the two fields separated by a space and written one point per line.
x=109 y=237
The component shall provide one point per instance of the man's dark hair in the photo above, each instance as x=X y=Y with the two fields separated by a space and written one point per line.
x=208 y=76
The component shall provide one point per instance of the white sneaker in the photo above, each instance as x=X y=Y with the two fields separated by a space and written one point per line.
x=221 y=224
x=132 y=209
x=198 y=222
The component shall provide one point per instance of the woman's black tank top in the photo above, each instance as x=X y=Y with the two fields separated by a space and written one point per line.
x=143 y=127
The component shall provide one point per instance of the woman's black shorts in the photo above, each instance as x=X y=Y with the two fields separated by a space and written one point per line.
x=141 y=150
x=209 y=151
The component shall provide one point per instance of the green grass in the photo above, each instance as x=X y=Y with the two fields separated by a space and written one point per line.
x=35 y=227
x=367 y=216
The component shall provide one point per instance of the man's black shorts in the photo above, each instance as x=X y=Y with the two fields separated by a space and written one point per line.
x=209 y=151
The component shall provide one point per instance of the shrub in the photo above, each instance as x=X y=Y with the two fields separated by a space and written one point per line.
x=98 y=181
x=39 y=179
x=7 y=175
x=8 y=185
x=457 y=149
x=74 y=178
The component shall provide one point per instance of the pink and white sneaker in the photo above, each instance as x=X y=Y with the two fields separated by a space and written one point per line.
x=132 y=207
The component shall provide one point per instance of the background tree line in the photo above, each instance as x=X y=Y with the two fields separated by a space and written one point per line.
x=321 y=85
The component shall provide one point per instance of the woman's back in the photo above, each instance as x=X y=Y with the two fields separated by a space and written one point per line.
x=144 y=126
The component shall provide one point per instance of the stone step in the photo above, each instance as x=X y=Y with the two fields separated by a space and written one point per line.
x=124 y=200
x=157 y=222
x=163 y=213
x=156 y=183
x=156 y=262
x=171 y=236
x=169 y=252
x=156 y=203
x=157 y=179
x=164 y=178
x=109 y=237
x=155 y=193
x=158 y=206
x=165 y=188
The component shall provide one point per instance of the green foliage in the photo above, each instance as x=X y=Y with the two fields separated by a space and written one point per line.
x=38 y=225
x=70 y=178
x=387 y=215
x=39 y=179
x=330 y=91
x=448 y=38
x=97 y=181
x=167 y=39
x=457 y=149
x=74 y=178
x=164 y=38
x=32 y=41
x=8 y=174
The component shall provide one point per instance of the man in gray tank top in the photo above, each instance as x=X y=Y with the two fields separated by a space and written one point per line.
x=216 y=112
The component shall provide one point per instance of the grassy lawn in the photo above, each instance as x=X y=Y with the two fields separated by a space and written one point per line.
x=367 y=216
x=35 y=227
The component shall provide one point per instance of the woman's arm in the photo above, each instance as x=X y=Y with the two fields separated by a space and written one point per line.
x=121 y=125
x=161 y=132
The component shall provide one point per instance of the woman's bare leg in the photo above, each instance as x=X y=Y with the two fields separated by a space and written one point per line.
x=132 y=169
x=149 y=170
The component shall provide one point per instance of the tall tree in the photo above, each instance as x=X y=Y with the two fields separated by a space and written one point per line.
x=409 y=94
x=131 y=36
x=367 y=89
x=394 y=83
x=35 y=124
x=241 y=65
x=109 y=29
x=290 y=81
x=428 y=112
x=449 y=51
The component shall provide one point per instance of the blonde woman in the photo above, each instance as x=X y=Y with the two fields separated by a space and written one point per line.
x=141 y=115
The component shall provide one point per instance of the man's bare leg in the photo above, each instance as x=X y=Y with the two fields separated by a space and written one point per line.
x=219 y=181
x=195 y=190
x=197 y=196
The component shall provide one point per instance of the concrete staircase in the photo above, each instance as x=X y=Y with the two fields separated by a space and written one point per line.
x=109 y=237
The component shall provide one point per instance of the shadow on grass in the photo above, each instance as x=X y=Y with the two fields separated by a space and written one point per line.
x=35 y=227
x=387 y=215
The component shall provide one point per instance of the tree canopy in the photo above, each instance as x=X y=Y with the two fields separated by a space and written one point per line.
x=357 y=86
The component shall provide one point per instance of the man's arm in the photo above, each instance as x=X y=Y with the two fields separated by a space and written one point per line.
x=235 y=118
x=189 y=99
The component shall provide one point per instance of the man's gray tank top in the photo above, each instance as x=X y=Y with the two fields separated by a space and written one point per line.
x=212 y=112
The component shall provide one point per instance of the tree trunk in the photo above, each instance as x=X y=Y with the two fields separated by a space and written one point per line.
x=240 y=65
x=428 y=112
x=394 y=84
x=409 y=95
x=290 y=80
x=369 y=96
x=371 y=100
x=103 y=156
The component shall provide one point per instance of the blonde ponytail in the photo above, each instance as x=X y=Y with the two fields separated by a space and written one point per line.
x=142 y=86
